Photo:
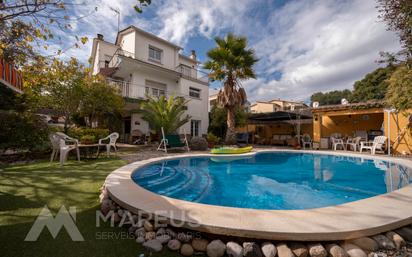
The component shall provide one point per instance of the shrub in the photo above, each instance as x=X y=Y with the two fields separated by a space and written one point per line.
x=96 y=133
x=212 y=138
x=88 y=139
x=23 y=131
x=198 y=143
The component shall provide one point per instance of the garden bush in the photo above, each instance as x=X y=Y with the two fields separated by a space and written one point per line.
x=198 y=143
x=23 y=131
x=91 y=134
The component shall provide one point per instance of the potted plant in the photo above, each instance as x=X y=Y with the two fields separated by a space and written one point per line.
x=212 y=140
x=87 y=139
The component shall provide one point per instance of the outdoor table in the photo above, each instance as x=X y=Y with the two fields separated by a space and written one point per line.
x=86 y=149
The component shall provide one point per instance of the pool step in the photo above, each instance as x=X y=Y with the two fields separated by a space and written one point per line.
x=192 y=183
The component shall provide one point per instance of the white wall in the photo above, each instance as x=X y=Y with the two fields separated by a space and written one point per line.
x=139 y=123
x=128 y=42
x=169 y=54
x=104 y=51
x=197 y=108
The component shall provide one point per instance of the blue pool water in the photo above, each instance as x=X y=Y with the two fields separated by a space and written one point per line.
x=275 y=181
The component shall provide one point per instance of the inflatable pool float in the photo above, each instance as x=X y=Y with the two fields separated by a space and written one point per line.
x=231 y=150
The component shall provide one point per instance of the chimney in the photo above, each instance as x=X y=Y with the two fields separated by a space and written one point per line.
x=193 y=55
x=100 y=36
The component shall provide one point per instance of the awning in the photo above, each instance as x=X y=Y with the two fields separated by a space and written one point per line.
x=279 y=116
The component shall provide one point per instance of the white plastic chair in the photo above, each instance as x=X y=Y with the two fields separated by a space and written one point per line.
x=337 y=142
x=66 y=148
x=354 y=143
x=377 y=144
x=112 y=142
x=55 y=142
x=306 y=141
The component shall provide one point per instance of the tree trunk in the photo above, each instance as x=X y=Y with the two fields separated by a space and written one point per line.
x=230 y=133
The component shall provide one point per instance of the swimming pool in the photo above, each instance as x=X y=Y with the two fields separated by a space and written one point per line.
x=273 y=180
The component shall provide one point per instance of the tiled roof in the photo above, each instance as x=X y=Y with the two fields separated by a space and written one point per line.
x=351 y=106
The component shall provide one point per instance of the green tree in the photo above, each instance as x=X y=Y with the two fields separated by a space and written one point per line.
x=58 y=85
x=231 y=62
x=399 y=93
x=373 y=86
x=333 y=97
x=218 y=116
x=168 y=113
x=99 y=100
x=398 y=16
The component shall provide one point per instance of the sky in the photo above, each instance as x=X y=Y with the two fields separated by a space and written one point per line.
x=303 y=46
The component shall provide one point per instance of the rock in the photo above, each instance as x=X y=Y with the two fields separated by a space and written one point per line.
x=150 y=235
x=233 y=249
x=377 y=254
x=284 y=250
x=153 y=245
x=251 y=249
x=199 y=244
x=163 y=238
x=384 y=242
x=131 y=229
x=268 y=249
x=366 y=243
x=299 y=249
x=406 y=233
x=396 y=238
x=353 y=250
x=116 y=217
x=335 y=250
x=160 y=231
x=317 y=250
x=171 y=233
x=174 y=244
x=140 y=240
x=105 y=206
x=186 y=250
x=216 y=248
x=184 y=237
x=140 y=232
x=148 y=226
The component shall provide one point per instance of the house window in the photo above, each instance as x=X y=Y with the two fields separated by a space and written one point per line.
x=194 y=92
x=194 y=128
x=155 y=54
x=106 y=64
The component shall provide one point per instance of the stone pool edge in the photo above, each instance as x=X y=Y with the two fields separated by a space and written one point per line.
x=351 y=220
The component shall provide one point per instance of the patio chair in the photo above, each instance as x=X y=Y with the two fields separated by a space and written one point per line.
x=337 y=142
x=306 y=141
x=354 y=143
x=377 y=144
x=112 y=142
x=55 y=143
x=66 y=148
x=172 y=141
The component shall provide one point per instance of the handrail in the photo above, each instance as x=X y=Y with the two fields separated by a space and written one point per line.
x=138 y=91
x=184 y=70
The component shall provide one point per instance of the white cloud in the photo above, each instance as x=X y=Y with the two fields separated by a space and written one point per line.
x=316 y=45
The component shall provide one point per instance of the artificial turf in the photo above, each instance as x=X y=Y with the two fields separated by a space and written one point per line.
x=26 y=189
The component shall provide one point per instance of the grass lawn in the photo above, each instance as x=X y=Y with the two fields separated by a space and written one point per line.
x=25 y=189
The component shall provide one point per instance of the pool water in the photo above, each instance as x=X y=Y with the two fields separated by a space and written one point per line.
x=273 y=181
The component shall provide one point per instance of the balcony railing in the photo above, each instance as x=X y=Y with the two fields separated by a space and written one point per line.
x=10 y=76
x=184 y=70
x=136 y=91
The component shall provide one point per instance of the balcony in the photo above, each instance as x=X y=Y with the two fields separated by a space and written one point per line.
x=11 y=77
x=181 y=70
x=136 y=91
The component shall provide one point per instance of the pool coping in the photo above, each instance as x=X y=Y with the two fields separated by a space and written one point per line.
x=365 y=217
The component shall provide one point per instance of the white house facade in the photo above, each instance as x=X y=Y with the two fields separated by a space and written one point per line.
x=140 y=63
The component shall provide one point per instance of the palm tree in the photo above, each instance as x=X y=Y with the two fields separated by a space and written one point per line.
x=231 y=62
x=164 y=112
